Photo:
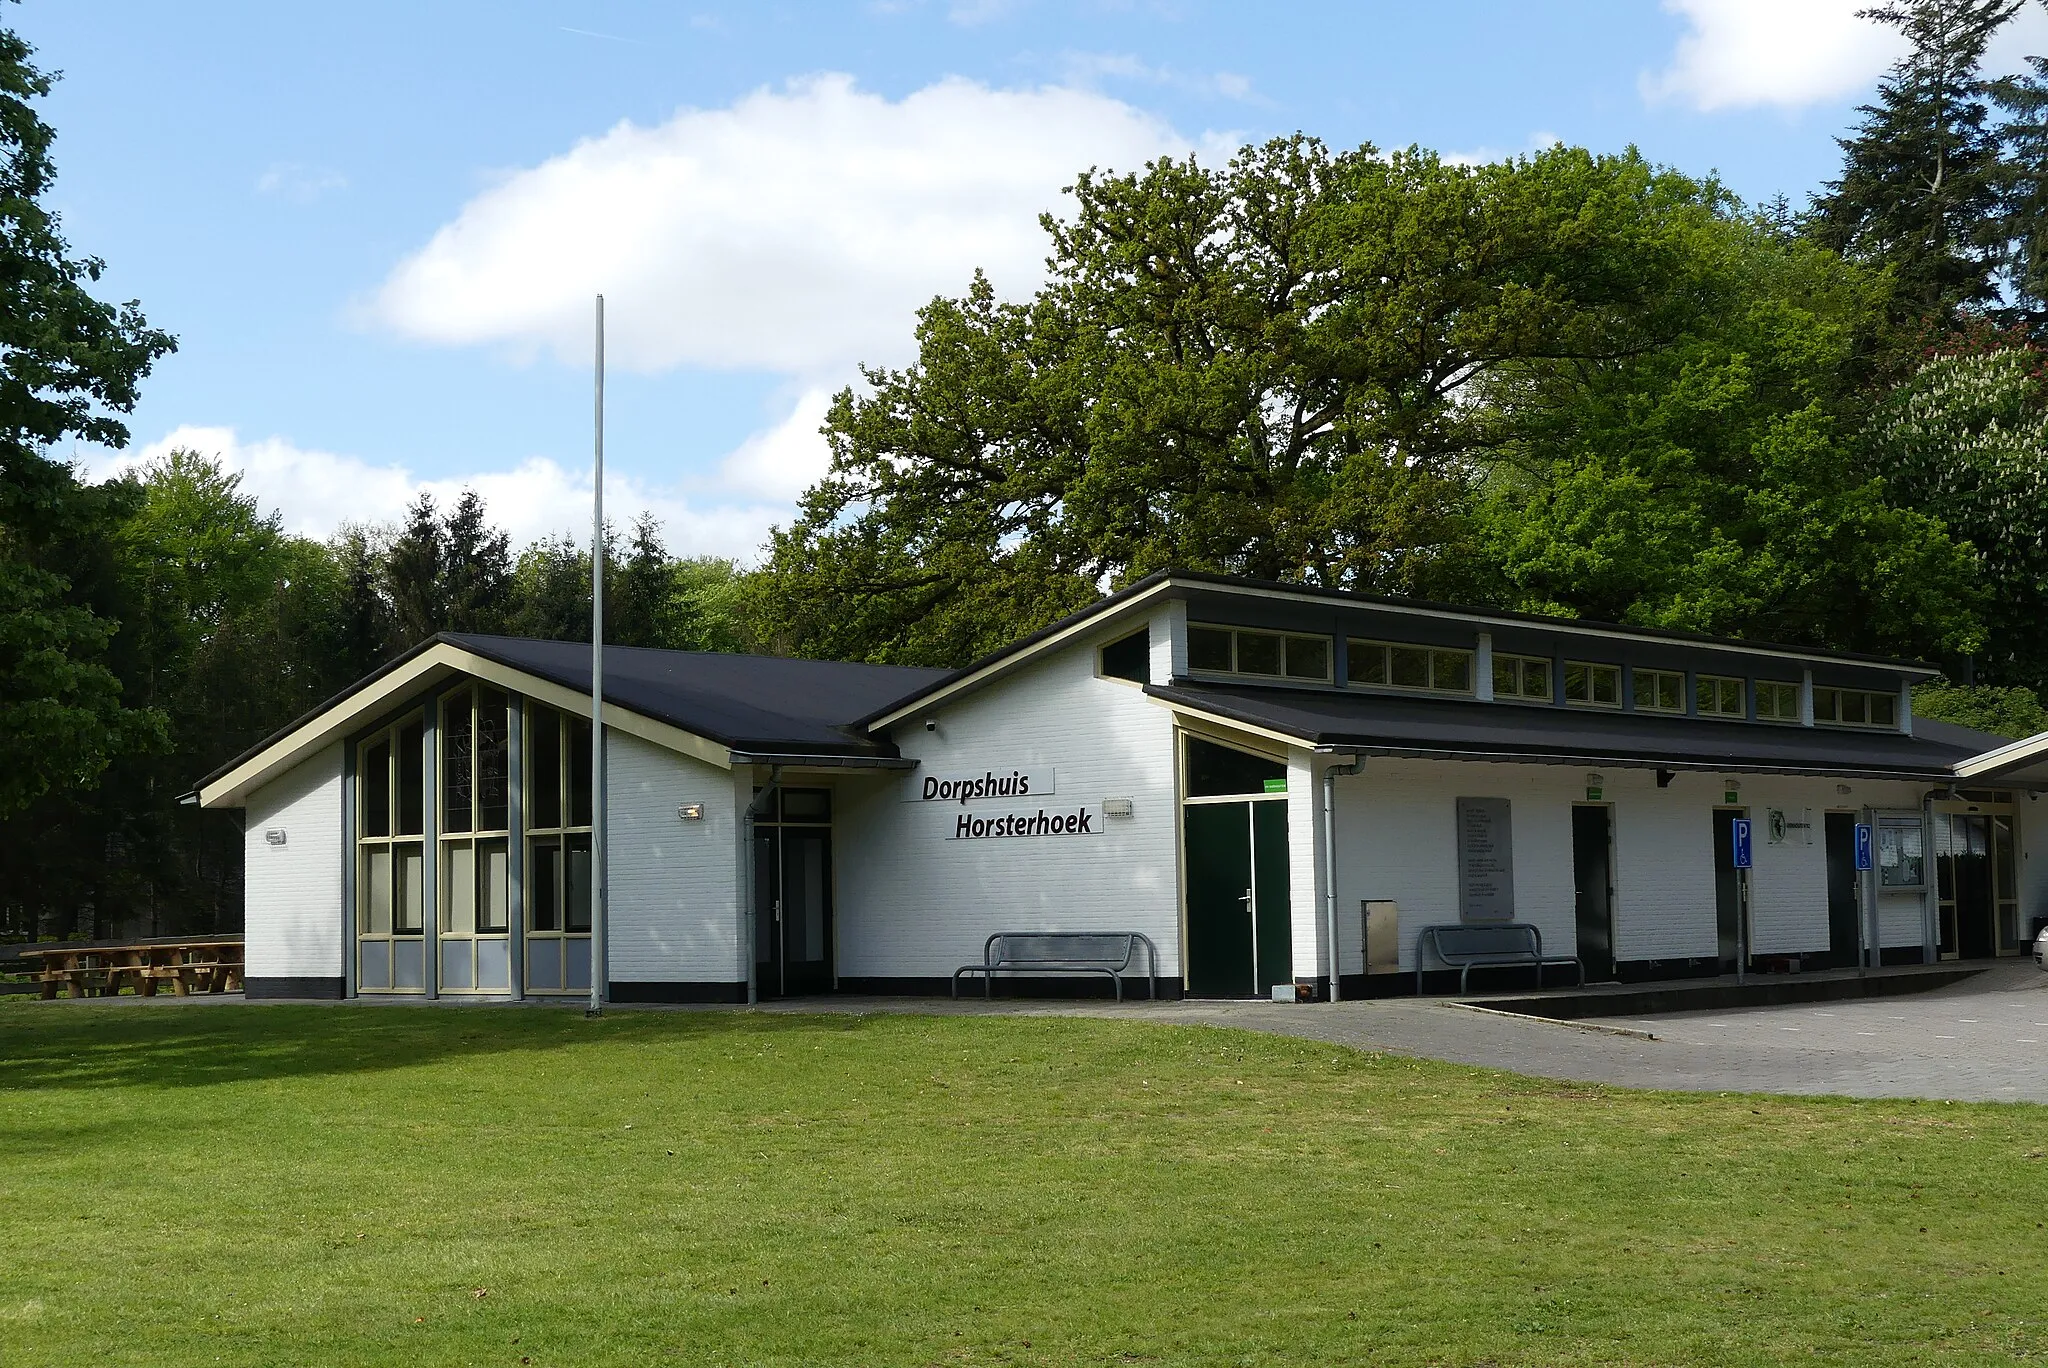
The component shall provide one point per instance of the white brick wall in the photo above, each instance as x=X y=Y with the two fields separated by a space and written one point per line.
x=674 y=884
x=913 y=903
x=1305 y=862
x=292 y=909
x=1396 y=839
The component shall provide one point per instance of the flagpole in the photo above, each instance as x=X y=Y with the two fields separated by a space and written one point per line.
x=598 y=871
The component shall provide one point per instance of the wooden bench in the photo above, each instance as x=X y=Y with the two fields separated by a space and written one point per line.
x=1063 y=952
x=1498 y=945
x=210 y=965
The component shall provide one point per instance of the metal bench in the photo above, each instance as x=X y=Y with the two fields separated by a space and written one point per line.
x=1498 y=945
x=1063 y=952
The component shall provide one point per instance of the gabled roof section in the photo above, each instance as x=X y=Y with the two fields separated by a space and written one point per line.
x=2023 y=762
x=712 y=706
x=1140 y=594
x=1377 y=724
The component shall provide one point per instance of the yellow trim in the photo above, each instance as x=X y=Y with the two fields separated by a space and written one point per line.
x=441 y=661
x=1210 y=727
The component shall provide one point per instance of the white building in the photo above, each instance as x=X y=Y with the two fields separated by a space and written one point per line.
x=1235 y=769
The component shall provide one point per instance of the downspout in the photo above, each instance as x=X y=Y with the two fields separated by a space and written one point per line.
x=752 y=948
x=1330 y=863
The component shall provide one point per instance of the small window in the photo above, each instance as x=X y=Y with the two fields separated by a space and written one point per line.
x=1259 y=655
x=1659 y=691
x=1777 y=701
x=1719 y=696
x=1592 y=686
x=1129 y=658
x=1209 y=649
x=1409 y=667
x=1855 y=708
x=1521 y=677
x=806 y=805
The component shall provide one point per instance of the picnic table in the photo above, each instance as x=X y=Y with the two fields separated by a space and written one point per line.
x=210 y=964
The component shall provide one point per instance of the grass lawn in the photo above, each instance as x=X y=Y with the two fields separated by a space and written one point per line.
x=303 y=1185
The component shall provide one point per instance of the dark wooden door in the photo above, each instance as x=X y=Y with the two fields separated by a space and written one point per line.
x=1593 y=888
x=1844 y=907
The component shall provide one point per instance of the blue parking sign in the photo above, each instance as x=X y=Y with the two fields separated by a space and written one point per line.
x=1741 y=842
x=1862 y=845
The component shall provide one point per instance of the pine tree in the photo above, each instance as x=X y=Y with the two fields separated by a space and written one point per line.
x=2024 y=101
x=1921 y=177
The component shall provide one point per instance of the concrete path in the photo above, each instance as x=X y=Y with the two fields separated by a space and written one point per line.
x=1983 y=1040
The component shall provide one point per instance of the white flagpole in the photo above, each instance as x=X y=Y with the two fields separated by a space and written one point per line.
x=598 y=975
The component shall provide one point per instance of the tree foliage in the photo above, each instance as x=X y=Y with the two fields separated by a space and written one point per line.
x=2010 y=711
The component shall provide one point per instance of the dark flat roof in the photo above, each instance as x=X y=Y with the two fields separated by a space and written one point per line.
x=762 y=704
x=1462 y=729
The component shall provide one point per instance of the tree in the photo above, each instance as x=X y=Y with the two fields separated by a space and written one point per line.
x=1711 y=484
x=2023 y=99
x=1921 y=175
x=1269 y=369
x=1966 y=441
x=2010 y=711
x=68 y=364
x=448 y=573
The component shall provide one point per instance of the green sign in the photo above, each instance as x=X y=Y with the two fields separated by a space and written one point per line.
x=1277 y=785
x=1592 y=794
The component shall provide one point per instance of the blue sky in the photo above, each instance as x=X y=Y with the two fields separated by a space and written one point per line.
x=375 y=228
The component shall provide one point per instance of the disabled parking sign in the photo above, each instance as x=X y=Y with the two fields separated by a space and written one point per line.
x=1862 y=845
x=1741 y=843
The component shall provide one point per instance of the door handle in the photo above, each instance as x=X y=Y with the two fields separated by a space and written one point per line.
x=1245 y=897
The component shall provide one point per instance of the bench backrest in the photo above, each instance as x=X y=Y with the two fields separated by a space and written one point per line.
x=1506 y=938
x=1112 y=949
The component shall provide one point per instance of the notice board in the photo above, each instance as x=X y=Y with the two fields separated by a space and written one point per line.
x=1486 y=861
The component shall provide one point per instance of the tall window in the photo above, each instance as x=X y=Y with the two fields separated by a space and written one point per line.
x=1395 y=666
x=557 y=851
x=390 y=874
x=1521 y=677
x=475 y=774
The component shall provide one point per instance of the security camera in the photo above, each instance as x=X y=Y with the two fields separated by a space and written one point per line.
x=931 y=724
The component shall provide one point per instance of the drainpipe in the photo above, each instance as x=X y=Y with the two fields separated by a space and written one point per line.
x=1330 y=863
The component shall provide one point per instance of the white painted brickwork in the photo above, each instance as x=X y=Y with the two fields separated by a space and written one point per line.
x=1305 y=868
x=292 y=908
x=674 y=884
x=913 y=903
x=1396 y=839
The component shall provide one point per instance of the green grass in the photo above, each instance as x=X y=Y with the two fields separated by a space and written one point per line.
x=290 y=1185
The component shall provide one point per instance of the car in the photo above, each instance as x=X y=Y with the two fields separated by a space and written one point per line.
x=2041 y=948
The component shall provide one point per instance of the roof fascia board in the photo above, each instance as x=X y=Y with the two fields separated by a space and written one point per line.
x=1003 y=664
x=1630 y=762
x=442 y=660
x=577 y=703
x=2012 y=753
x=1544 y=624
x=1199 y=720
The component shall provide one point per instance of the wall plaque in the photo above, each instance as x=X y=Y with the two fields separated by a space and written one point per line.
x=1486 y=861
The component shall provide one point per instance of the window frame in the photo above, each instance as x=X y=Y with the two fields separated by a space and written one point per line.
x=394 y=843
x=1356 y=647
x=1758 y=690
x=1636 y=679
x=1701 y=681
x=1590 y=667
x=1328 y=643
x=1521 y=664
x=1833 y=717
x=558 y=837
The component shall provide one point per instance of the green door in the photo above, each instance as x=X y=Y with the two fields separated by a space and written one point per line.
x=1240 y=938
x=1219 y=866
x=1269 y=904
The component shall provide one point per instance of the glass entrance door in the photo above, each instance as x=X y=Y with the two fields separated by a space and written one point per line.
x=793 y=894
x=1976 y=881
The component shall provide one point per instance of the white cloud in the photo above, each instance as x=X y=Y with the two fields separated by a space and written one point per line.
x=299 y=183
x=783 y=461
x=1738 y=54
x=318 y=491
x=795 y=232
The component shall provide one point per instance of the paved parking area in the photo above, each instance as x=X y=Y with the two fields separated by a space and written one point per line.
x=1982 y=1040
